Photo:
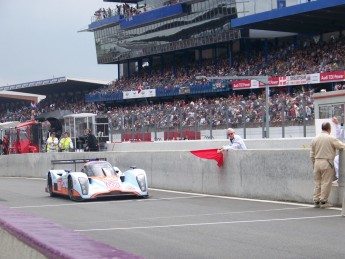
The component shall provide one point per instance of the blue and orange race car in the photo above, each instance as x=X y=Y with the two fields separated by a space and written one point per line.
x=97 y=178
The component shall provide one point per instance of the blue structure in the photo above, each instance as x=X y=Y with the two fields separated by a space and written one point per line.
x=171 y=34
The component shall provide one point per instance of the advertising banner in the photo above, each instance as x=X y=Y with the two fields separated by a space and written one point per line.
x=241 y=84
x=332 y=76
x=303 y=79
x=145 y=93
x=184 y=90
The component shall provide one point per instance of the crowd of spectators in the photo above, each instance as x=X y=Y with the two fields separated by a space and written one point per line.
x=203 y=112
x=127 y=11
x=311 y=57
x=217 y=112
x=123 y=11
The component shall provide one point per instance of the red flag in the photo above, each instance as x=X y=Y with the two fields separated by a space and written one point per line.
x=209 y=154
x=139 y=88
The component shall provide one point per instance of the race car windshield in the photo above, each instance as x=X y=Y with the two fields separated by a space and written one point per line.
x=102 y=170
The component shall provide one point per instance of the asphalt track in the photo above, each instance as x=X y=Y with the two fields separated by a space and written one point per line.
x=187 y=225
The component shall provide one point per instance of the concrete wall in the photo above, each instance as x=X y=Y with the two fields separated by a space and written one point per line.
x=11 y=247
x=282 y=143
x=283 y=174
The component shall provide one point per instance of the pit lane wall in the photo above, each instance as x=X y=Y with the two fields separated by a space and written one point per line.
x=283 y=173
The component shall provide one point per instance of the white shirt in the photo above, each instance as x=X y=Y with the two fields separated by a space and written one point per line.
x=235 y=143
x=339 y=132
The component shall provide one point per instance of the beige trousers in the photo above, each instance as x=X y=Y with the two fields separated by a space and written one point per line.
x=323 y=176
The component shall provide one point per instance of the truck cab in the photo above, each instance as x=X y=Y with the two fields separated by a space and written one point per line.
x=26 y=138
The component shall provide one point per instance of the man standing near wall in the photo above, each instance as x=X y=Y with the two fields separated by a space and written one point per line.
x=66 y=144
x=236 y=142
x=52 y=143
x=323 y=150
x=339 y=134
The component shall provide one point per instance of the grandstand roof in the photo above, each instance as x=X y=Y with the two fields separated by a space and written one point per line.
x=60 y=84
x=21 y=96
x=312 y=17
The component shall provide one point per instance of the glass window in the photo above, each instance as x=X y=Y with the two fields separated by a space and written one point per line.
x=23 y=134
x=331 y=110
x=101 y=169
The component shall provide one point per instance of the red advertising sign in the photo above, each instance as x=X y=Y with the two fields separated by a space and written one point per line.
x=332 y=76
x=242 y=84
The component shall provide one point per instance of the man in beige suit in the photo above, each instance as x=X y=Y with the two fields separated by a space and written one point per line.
x=323 y=151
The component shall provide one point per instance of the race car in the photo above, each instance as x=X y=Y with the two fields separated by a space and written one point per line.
x=97 y=178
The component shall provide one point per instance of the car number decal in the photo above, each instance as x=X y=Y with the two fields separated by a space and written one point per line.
x=64 y=183
x=112 y=185
x=59 y=184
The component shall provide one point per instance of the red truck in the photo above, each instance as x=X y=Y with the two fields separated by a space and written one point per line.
x=26 y=138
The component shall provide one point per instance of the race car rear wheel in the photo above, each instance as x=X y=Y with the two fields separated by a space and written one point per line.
x=50 y=186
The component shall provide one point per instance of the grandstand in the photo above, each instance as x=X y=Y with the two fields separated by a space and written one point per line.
x=175 y=59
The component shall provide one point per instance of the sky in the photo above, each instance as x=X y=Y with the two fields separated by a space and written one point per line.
x=40 y=40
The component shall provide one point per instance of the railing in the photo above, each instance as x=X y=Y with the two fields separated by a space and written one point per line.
x=210 y=121
x=225 y=36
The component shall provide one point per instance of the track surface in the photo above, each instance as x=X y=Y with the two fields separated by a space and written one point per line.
x=186 y=225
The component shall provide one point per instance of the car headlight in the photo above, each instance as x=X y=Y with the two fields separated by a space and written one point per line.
x=84 y=184
x=142 y=182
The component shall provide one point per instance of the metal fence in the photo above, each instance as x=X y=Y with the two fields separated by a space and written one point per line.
x=192 y=121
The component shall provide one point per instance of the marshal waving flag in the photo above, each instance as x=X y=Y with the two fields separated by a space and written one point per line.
x=210 y=154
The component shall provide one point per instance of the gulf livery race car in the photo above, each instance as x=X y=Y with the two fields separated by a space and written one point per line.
x=98 y=178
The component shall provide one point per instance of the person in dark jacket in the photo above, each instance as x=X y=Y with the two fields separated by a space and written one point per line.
x=6 y=144
x=91 y=141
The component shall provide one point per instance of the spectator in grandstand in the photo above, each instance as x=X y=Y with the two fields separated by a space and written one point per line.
x=236 y=142
x=91 y=141
x=6 y=144
x=322 y=154
x=339 y=133
x=52 y=143
x=65 y=143
x=33 y=110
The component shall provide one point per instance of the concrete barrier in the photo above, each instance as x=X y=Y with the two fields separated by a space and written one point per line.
x=26 y=236
x=283 y=174
x=279 y=143
x=11 y=247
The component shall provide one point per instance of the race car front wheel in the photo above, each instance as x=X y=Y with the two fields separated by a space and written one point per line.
x=50 y=186
x=71 y=190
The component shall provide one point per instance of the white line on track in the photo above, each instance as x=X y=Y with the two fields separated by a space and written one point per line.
x=190 y=215
x=195 y=195
x=19 y=177
x=102 y=202
x=205 y=224
x=240 y=199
